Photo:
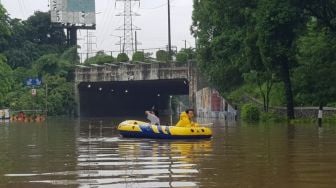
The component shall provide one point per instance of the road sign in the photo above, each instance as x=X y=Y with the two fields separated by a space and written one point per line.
x=33 y=92
x=33 y=82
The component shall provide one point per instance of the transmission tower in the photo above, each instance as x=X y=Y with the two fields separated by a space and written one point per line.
x=128 y=28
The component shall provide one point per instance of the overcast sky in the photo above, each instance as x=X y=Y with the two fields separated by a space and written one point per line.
x=153 y=22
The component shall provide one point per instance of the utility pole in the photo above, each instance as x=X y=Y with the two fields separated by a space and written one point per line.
x=185 y=44
x=120 y=43
x=169 y=34
x=89 y=43
x=136 y=42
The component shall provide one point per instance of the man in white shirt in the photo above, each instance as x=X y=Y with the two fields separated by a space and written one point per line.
x=154 y=120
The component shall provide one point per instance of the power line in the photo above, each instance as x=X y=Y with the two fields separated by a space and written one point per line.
x=21 y=8
x=157 y=7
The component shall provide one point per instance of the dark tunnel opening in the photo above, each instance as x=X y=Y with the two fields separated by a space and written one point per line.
x=128 y=98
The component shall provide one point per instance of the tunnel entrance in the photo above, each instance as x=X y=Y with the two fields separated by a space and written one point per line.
x=128 y=98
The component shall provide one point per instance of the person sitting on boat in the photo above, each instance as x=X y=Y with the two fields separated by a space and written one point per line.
x=186 y=119
x=154 y=120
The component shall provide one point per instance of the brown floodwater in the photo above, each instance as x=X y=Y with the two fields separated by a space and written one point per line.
x=90 y=153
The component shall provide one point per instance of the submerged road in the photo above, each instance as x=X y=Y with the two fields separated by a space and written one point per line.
x=90 y=153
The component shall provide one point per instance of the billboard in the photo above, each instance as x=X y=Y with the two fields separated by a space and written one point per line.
x=73 y=12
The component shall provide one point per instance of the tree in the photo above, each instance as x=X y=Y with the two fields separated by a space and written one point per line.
x=5 y=31
x=324 y=11
x=239 y=37
x=122 y=57
x=260 y=69
x=162 y=55
x=39 y=30
x=6 y=82
x=182 y=57
x=315 y=77
x=138 y=56
x=71 y=55
x=60 y=95
x=220 y=29
x=190 y=52
x=33 y=38
x=277 y=25
x=35 y=50
x=100 y=58
x=24 y=55
x=52 y=64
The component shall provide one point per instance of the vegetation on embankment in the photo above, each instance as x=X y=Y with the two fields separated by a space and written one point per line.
x=33 y=49
x=279 y=52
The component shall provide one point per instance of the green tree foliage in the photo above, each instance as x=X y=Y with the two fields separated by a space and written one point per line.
x=190 y=51
x=71 y=55
x=182 y=57
x=138 y=56
x=39 y=30
x=5 y=30
x=56 y=73
x=33 y=38
x=52 y=64
x=324 y=11
x=100 y=59
x=162 y=55
x=277 y=24
x=250 y=112
x=122 y=57
x=32 y=48
x=6 y=82
x=315 y=77
x=60 y=95
x=220 y=29
x=252 y=38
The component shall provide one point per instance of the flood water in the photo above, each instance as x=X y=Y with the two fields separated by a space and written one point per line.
x=90 y=153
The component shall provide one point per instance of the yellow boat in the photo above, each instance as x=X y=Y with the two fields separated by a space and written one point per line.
x=140 y=129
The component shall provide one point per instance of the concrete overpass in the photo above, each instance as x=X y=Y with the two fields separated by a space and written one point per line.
x=130 y=88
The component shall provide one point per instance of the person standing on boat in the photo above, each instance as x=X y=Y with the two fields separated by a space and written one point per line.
x=154 y=120
x=186 y=119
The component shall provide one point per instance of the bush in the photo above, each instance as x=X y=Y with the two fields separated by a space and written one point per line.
x=182 y=57
x=250 y=113
x=122 y=57
x=99 y=59
x=271 y=117
x=161 y=55
x=138 y=56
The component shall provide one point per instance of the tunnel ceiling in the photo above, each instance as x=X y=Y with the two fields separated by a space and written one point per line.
x=127 y=98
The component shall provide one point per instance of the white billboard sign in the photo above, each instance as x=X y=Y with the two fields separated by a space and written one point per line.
x=74 y=12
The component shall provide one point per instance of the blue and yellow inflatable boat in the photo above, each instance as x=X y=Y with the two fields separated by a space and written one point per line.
x=140 y=129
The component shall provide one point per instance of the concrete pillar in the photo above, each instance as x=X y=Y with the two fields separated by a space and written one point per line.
x=77 y=99
x=192 y=78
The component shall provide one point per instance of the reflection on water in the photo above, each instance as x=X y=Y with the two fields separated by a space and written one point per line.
x=118 y=162
x=89 y=153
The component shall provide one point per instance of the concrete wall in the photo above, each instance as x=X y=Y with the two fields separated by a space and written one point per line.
x=307 y=112
x=209 y=104
x=131 y=71
x=135 y=71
